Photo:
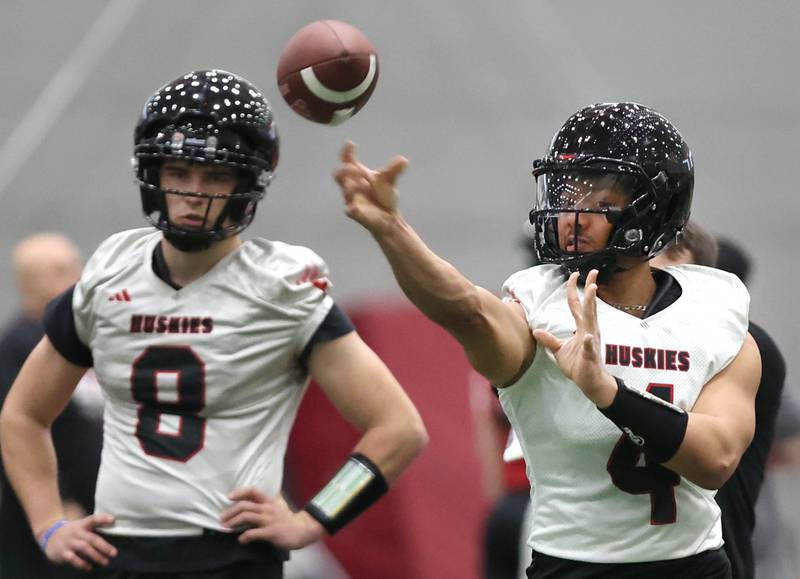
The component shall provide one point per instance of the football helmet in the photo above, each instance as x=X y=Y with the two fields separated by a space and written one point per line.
x=206 y=116
x=622 y=163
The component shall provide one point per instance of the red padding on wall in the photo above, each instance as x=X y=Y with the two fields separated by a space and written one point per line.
x=430 y=523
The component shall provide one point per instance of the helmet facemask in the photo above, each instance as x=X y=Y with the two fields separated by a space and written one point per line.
x=209 y=117
x=236 y=215
x=588 y=213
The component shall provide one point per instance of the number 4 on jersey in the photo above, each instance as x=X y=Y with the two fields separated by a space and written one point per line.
x=631 y=472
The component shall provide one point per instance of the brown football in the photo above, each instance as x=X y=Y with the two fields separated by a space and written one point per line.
x=327 y=71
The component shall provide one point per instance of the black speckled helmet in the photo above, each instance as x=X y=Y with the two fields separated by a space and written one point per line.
x=206 y=116
x=623 y=147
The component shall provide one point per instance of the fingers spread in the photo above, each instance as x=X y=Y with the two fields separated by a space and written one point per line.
x=590 y=307
x=353 y=181
x=394 y=169
x=348 y=156
x=572 y=298
x=76 y=561
x=589 y=346
x=87 y=551
x=102 y=545
x=348 y=152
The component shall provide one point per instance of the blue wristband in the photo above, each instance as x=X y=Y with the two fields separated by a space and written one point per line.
x=49 y=532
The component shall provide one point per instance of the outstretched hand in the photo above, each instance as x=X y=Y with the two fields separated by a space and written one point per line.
x=76 y=543
x=270 y=519
x=370 y=196
x=579 y=356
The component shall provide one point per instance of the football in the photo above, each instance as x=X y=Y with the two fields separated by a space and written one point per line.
x=327 y=71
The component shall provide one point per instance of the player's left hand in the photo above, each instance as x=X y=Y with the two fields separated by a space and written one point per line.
x=270 y=519
x=579 y=356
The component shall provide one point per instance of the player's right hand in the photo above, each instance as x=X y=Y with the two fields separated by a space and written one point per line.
x=77 y=544
x=579 y=356
x=370 y=196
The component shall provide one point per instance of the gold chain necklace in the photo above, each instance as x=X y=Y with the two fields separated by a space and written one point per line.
x=627 y=308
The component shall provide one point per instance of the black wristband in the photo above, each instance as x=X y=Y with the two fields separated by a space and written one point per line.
x=353 y=489
x=650 y=422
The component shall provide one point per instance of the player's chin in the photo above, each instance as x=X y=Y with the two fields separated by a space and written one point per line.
x=191 y=226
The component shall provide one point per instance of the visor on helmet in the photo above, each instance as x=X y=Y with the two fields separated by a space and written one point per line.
x=577 y=213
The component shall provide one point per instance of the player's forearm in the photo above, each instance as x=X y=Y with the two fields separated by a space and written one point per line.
x=30 y=463
x=437 y=288
x=709 y=453
x=392 y=446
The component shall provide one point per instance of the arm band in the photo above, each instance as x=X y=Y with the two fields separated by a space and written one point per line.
x=49 y=533
x=650 y=422
x=357 y=485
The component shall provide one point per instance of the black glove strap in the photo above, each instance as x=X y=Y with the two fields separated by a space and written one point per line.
x=352 y=490
x=650 y=422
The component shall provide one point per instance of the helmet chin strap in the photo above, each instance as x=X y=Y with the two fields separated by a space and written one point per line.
x=187 y=243
x=603 y=261
x=193 y=241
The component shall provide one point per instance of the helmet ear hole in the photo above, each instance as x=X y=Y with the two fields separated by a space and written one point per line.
x=659 y=181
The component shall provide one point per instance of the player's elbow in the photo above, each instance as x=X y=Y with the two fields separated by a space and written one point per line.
x=726 y=466
x=9 y=422
x=12 y=426
x=716 y=472
x=415 y=436
x=721 y=465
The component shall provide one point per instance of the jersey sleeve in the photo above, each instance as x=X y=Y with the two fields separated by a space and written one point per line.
x=59 y=325
x=303 y=292
x=732 y=301
x=335 y=325
x=532 y=287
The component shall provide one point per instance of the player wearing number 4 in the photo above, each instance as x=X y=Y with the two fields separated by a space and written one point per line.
x=204 y=345
x=630 y=389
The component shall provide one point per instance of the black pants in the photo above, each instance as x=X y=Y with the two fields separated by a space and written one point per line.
x=240 y=570
x=213 y=555
x=707 y=565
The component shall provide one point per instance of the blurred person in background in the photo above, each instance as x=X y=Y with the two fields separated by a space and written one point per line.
x=504 y=551
x=738 y=496
x=505 y=482
x=776 y=537
x=731 y=257
x=44 y=265
x=204 y=344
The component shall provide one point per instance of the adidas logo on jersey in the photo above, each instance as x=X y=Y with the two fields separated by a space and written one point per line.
x=122 y=296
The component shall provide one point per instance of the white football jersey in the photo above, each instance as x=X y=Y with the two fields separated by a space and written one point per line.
x=202 y=384
x=594 y=498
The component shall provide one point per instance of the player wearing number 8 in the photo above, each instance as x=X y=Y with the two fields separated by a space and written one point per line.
x=631 y=389
x=204 y=344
